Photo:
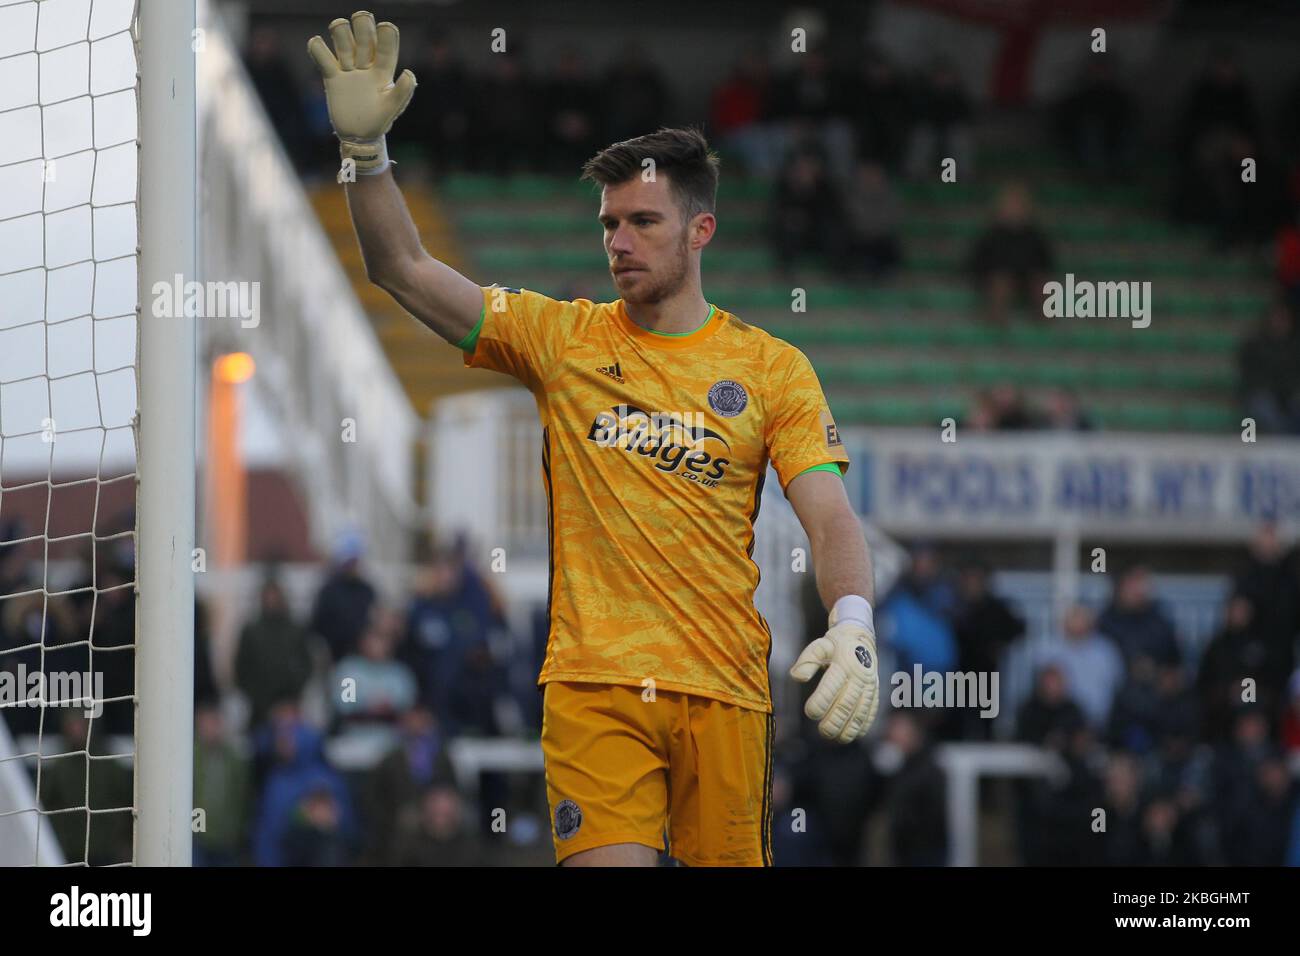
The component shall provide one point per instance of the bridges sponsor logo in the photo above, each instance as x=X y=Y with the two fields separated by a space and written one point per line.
x=678 y=443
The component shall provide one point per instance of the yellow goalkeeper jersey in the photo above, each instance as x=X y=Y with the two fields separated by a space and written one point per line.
x=654 y=451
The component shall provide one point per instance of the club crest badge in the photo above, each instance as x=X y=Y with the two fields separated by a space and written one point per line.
x=728 y=398
x=568 y=817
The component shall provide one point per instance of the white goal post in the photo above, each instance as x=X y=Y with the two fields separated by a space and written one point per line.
x=165 y=493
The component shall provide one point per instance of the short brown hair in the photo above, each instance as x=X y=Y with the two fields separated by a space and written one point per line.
x=682 y=153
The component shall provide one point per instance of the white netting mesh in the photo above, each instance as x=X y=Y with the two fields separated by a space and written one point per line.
x=68 y=295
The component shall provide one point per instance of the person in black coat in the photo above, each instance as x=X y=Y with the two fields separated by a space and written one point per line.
x=344 y=601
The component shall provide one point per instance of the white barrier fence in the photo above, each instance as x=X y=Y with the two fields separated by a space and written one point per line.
x=319 y=361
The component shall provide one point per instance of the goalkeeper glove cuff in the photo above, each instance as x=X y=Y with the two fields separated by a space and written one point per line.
x=370 y=156
x=851 y=607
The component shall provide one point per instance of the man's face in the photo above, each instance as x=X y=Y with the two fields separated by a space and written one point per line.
x=646 y=241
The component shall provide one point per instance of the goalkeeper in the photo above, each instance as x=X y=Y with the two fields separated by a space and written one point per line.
x=660 y=413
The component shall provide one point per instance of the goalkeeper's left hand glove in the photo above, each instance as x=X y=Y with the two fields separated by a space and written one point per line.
x=848 y=694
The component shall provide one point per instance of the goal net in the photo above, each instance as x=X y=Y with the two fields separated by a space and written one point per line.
x=96 y=494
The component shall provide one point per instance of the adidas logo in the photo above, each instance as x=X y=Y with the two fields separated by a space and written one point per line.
x=613 y=371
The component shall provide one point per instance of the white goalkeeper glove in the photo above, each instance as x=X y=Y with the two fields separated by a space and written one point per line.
x=848 y=694
x=364 y=102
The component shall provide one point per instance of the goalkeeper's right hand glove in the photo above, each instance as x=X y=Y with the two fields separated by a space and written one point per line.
x=848 y=695
x=363 y=100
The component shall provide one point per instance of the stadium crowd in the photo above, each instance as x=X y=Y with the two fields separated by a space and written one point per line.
x=339 y=751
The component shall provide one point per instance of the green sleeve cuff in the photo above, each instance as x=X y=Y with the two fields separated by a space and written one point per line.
x=833 y=466
x=468 y=343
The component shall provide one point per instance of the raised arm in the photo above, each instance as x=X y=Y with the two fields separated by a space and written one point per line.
x=432 y=291
x=363 y=104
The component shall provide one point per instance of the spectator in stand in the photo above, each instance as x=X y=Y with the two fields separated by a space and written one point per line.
x=1179 y=716
x=505 y=128
x=1133 y=716
x=874 y=212
x=298 y=773
x=1238 y=652
x=1012 y=257
x=809 y=102
x=1167 y=839
x=273 y=661
x=392 y=790
x=1063 y=413
x=1049 y=810
x=439 y=835
x=807 y=215
x=1268 y=369
x=837 y=786
x=443 y=107
x=881 y=111
x=1137 y=623
x=318 y=834
x=813 y=845
x=1219 y=113
x=343 y=603
x=1049 y=717
x=1095 y=121
x=985 y=628
x=917 y=617
x=636 y=96
x=1239 y=771
x=1093 y=668
x=1220 y=101
x=739 y=114
x=1011 y=412
x=1242 y=214
x=915 y=797
x=1123 y=803
x=1261 y=836
x=941 y=125
x=572 y=107
x=1154 y=705
x=448 y=626
x=78 y=784
x=370 y=689
x=223 y=787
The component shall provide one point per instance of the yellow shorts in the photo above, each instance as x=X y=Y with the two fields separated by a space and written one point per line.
x=624 y=769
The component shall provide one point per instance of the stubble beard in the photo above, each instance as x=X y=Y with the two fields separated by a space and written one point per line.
x=654 y=289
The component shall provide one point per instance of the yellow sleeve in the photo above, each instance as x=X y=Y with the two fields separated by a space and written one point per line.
x=800 y=432
x=521 y=333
